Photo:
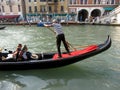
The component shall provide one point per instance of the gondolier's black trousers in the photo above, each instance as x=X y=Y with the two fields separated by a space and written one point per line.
x=61 y=38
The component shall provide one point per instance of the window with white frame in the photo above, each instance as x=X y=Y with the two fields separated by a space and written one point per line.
x=86 y=1
x=74 y=1
x=112 y=1
x=94 y=2
x=19 y=8
x=103 y=1
x=11 y=8
x=70 y=2
x=81 y=1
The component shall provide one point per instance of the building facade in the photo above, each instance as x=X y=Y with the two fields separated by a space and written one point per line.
x=45 y=10
x=10 y=9
x=91 y=9
x=46 y=6
x=34 y=10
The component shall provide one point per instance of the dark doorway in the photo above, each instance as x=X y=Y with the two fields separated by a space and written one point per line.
x=82 y=15
x=96 y=13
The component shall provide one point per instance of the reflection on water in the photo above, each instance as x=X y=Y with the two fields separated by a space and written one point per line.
x=70 y=77
x=100 y=72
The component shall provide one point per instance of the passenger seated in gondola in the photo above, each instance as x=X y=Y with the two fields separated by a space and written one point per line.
x=0 y=56
x=24 y=54
x=5 y=54
x=17 y=51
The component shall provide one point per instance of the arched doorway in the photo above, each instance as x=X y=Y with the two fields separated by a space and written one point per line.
x=82 y=15
x=95 y=13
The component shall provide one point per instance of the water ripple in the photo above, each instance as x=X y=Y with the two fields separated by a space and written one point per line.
x=100 y=72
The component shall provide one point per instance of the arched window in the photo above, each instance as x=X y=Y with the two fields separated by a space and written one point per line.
x=30 y=9
x=95 y=1
x=11 y=8
x=62 y=8
x=81 y=1
x=19 y=8
x=99 y=1
x=103 y=1
x=86 y=1
x=112 y=1
x=35 y=8
x=3 y=9
x=70 y=1
x=50 y=9
x=74 y=1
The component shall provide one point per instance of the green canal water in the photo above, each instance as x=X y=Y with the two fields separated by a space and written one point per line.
x=101 y=72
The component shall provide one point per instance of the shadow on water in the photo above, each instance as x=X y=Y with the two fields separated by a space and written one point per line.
x=66 y=72
x=51 y=77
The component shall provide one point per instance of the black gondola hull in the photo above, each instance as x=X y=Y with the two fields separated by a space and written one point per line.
x=49 y=62
x=3 y=27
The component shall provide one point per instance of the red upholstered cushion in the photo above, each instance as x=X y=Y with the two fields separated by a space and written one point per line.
x=77 y=52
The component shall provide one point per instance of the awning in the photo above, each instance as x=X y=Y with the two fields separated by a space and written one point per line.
x=9 y=16
x=52 y=14
x=65 y=14
x=33 y=14
x=60 y=14
x=108 y=8
x=46 y=14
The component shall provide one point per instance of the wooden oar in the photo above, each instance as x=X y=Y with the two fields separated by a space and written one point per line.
x=82 y=46
x=69 y=45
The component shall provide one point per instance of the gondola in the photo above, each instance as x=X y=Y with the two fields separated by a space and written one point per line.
x=2 y=27
x=41 y=24
x=51 y=60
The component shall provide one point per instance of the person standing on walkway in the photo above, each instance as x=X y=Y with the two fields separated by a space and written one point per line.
x=60 y=37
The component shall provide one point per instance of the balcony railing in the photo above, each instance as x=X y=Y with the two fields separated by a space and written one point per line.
x=10 y=2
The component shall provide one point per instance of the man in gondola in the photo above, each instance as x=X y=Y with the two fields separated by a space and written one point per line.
x=60 y=37
x=16 y=53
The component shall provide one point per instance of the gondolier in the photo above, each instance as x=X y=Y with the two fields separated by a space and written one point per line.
x=60 y=37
